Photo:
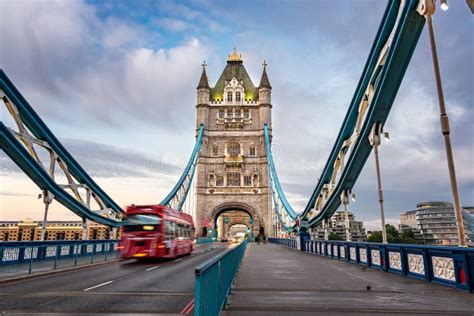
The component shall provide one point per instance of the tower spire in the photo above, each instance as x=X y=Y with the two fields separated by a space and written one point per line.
x=203 y=82
x=264 y=82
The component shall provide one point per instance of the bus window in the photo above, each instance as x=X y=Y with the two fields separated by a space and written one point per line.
x=169 y=233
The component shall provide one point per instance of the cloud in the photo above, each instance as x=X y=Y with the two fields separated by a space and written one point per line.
x=105 y=161
x=103 y=69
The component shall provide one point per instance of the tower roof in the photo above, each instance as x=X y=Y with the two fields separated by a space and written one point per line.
x=264 y=82
x=234 y=68
x=203 y=82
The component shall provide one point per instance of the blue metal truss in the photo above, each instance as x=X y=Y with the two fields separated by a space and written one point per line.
x=388 y=60
x=176 y=198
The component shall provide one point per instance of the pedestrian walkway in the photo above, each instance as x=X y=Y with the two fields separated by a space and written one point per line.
x=275 y=280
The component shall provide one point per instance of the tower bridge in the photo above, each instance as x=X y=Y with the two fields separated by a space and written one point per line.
x=232 y=169
x=235 y=181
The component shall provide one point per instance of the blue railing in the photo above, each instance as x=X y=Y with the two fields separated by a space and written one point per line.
x=214 y=279
x=39 y=256
x=204 y=240
x=290 y=243
x=451 y=266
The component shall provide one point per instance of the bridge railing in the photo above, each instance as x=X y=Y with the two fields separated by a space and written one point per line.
x=214 y=279
x=17 y=258
x=451 y=266
x=288 y=242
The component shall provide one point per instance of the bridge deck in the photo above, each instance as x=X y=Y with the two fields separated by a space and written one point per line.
x=275 y=280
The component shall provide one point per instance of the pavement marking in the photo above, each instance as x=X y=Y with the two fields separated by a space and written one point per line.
x=188 y=308
x=178 y=260
x=152 y=268
x=96 y=286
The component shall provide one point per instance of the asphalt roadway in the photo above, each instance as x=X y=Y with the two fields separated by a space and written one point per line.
x=155 y=287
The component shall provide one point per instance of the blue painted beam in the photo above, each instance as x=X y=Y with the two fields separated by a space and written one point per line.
x=17 y=152
x=191 y=166
x=39 y=129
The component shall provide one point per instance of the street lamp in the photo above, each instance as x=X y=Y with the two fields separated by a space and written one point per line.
x=444 y=5
x=374 y=139
x=427 y=9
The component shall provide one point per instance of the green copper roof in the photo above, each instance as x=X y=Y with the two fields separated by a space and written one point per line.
x=234 y=69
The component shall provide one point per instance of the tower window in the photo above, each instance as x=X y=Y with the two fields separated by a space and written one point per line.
x=237 y=96
x=248 y=181
x=229 y=96
x=237 y=113
x=215 y=150
x=233 y=179
x=252 y=151
x=233 y=149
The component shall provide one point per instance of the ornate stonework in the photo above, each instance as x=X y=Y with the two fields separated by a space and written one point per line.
x=232 y=170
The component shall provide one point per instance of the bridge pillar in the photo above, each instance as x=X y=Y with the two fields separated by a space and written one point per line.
x=302 y=237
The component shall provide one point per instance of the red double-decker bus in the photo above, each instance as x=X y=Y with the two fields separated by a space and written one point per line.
x=156 y=231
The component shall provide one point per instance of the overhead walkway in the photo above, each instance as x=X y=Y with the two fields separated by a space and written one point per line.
x=276 y=280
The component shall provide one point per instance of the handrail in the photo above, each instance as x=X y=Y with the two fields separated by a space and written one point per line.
x=214 y=279
x=451 y=266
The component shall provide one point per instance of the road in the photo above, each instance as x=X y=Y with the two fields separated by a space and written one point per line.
x=156 y=287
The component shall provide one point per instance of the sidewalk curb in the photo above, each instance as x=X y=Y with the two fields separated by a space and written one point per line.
x=46 y=273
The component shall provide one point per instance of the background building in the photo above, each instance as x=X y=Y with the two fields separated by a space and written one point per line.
x=337 y=227
x=434 y=223
x=29 y=230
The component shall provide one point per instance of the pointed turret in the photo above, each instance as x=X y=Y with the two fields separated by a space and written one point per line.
x=203 y=82
x=265 y=98
x=264 y=82
x=203 y=93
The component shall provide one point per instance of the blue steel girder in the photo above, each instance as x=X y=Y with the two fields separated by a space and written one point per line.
x=383 y=85
x=37 y=173
x=388 y=60
x=273 y=178
x=176 y=198
x=26 y=117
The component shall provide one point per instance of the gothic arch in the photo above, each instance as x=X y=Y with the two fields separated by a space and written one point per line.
x=237 y=206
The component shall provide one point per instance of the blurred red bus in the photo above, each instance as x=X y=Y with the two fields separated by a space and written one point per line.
x=156 y=231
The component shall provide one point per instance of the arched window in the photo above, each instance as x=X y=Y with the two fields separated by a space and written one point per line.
x=252 y=151
x=233 y=149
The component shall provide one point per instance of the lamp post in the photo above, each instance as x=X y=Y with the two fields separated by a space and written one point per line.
x=374 y=139
x=427 y=9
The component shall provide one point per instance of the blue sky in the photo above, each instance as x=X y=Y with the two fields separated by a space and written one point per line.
x=115 y=80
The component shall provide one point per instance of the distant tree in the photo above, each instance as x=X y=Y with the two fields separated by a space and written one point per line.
x=335 y=237
x=393 y=236
x=408 y=237
x=376 y=236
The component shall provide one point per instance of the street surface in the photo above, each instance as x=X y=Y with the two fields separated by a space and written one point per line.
x=155 y=287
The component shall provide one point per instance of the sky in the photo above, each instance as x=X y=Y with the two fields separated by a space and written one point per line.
x=116 y=82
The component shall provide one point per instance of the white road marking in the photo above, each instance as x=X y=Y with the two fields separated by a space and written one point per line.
x=96 y=286
x=178 y=260
x=152 y=268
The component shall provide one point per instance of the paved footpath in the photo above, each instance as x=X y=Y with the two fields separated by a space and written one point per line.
x=275 y=280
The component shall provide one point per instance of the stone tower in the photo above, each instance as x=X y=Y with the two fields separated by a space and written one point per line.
x=232 y=174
